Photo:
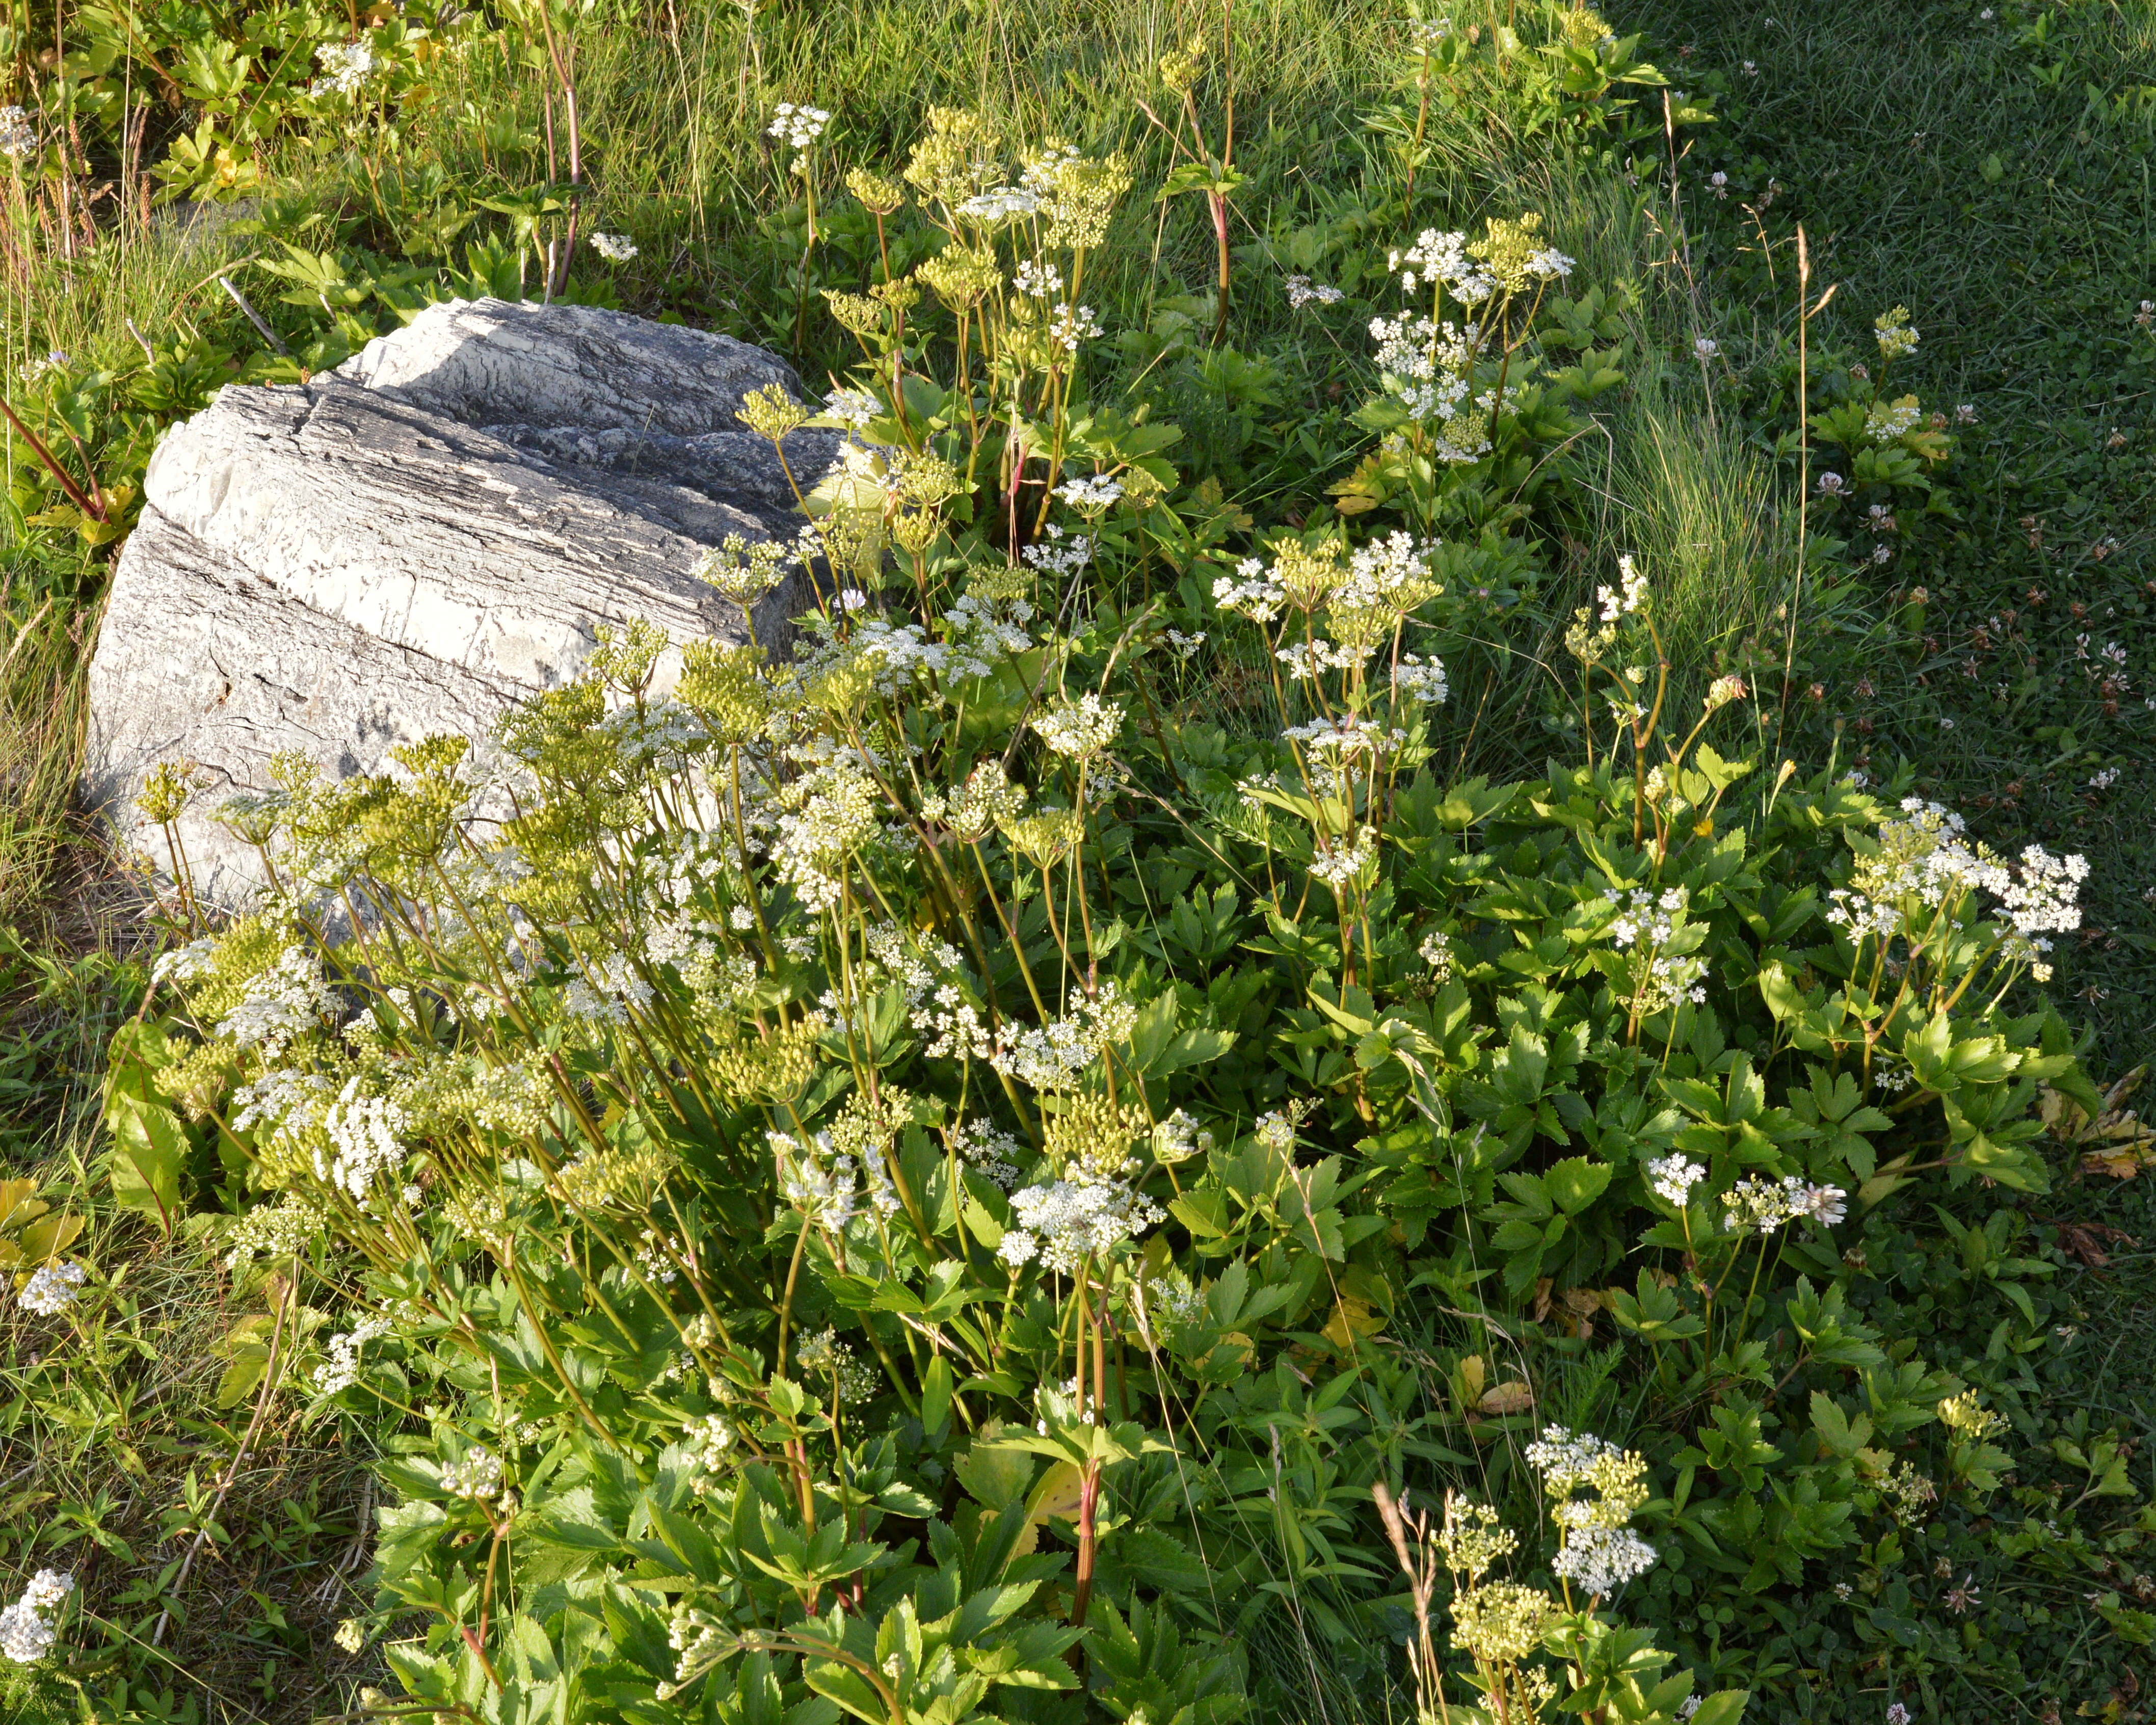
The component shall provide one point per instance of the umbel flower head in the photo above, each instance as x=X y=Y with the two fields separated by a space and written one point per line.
x=1071 y=1220
x=27 y=1632
x=52 y=1289
x=1473 y=1538
x=1895 y=337
x=770 y=413
x=798 y=124
x=1599 y=1552
x=1080 y=729
x=19 y=137
x=1501 y=1622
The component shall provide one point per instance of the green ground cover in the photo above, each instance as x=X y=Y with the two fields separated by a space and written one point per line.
x=1429 y=1197
x=1988 y=168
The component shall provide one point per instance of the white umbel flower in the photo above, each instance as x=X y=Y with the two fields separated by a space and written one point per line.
x=27 y=1632
x=798 y=124
x=52 y=1289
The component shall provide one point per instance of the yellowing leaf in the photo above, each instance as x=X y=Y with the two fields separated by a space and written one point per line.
x=1513 y=1398
x=18 y=1203
x=1056 y=1494
x=1351 y=1318
x=48 y=1237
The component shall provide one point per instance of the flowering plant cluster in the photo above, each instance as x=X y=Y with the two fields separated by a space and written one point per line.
x=1877 y=474
x=920 y=1178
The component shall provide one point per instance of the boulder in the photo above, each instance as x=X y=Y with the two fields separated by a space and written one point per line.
x=406 y=545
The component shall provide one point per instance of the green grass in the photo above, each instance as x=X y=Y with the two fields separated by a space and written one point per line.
x=1996 y=177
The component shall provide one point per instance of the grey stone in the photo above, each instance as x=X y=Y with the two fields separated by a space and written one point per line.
x=405 y=546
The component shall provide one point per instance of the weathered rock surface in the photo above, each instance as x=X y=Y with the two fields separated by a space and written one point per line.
x=406 y=545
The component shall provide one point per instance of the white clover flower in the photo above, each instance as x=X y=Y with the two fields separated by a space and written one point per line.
x=1705 y=348
x=52 y=1289
x=1302 y=291
x=798 y=124
x=1674 y=1178
x=615 y=248
x=27 y=1634
x=1832 y=485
